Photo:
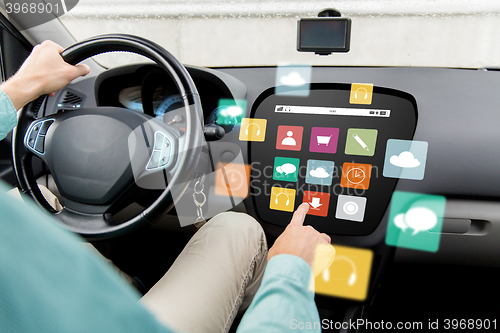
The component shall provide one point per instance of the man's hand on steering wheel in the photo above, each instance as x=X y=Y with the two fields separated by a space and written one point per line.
x=43 y=72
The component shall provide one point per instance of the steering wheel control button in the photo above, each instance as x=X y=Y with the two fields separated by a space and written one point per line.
x=32 y=138
x=163 y=160
x=161 y=152
x=40 y=143
x=45 y=127
x=36 y=136
x=154 y=161
x=289 y=138
x=320 y=172
x=361 y=142
x=282 y=199
x=158 y=141
x=355 y=175
x=286 y=169
x=351 y=208
x=31 y=142
x=361 y=93
x=405 y=159
x=415 y=221
x=318 y=203
x=348 y=275
x=253 y=129
x=324 y=140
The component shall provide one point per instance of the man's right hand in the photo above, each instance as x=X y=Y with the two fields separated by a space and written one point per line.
x=297 y=239
x=43 y=72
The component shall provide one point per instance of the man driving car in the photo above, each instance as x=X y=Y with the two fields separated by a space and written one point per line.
x=51 y=282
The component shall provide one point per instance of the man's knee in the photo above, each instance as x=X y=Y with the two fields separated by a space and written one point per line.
x=236 y=225
x=236 y=222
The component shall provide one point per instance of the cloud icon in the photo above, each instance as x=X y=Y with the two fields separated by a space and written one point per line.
x=293 y=79
x=319 y=173
x=405 y=160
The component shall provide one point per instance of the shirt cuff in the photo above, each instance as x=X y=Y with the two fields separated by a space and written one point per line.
x=290 y=266
x=8 y=115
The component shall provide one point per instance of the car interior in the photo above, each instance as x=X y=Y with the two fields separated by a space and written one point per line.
x=138 y=154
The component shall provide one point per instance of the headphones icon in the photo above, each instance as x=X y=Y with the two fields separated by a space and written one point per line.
x=258 y=130
x=287 y=198
x=356 y=92
x=354 y=274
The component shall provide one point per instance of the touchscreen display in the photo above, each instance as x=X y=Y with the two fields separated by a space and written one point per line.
x=326 y=151
x=323 y=33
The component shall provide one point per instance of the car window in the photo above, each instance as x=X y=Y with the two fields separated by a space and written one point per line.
x=454 y=33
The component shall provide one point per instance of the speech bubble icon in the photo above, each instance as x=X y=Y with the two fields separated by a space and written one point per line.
x=399 y=221
x=286 y=168
x=420 y=219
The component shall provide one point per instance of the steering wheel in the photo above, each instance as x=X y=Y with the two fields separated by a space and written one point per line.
x=93 y=155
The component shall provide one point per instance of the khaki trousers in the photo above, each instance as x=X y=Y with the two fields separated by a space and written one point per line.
x=217 y=273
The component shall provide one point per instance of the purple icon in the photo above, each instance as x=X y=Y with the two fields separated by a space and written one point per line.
x=324 y=140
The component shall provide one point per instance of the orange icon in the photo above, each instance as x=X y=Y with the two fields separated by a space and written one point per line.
x=232 y=179
x=356 y=175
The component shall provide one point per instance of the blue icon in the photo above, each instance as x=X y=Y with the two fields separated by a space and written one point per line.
x=415 y=221
x=319 y=172
x=293 y=80
x=405 y=159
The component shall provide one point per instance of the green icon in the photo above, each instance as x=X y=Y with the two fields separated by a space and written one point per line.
x=286 y=169
x=415 y=221
x=230 y=111
x=361 y=142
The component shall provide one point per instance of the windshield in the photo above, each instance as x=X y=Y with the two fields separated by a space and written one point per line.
x=454 y=33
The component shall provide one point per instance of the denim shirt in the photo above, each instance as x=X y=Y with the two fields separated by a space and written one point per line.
x=8 y=115
x=51 y=282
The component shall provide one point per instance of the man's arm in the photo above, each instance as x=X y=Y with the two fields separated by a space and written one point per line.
x=43 y=72
x=284 y=302
x=50 y=281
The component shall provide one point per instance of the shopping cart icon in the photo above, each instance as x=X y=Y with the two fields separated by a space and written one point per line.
x=323 y=140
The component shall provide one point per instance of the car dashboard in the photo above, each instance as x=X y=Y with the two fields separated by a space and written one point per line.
x=454 y=111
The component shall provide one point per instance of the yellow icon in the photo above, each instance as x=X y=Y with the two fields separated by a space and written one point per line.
x=253 y=129
x=361 y=93
x=349 y=274
x=282 y=199
x=323 y=258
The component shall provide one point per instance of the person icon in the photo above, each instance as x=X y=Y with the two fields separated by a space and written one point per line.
x=289 y=140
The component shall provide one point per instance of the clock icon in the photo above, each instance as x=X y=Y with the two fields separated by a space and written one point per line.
x=356 y=175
